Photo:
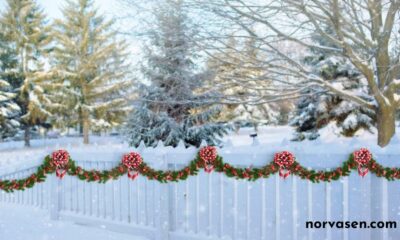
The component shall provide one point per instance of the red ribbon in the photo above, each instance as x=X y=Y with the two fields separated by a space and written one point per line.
x=60 y=172
x=208 y=168
x=284 y=173
x=132 y=174
x=362 y=171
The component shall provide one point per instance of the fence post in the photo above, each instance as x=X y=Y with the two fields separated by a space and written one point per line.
x=164 y=208
x=55 y=197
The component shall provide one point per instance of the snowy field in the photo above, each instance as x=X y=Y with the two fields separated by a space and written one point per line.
x=266 y=135
x=23 y=223
x=277 y=137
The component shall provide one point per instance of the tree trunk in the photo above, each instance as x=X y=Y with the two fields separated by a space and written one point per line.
x=86 y=128
x=386 y=123
x=80 y=127
x=80 y=124
x=27 y=136
x=255 y=125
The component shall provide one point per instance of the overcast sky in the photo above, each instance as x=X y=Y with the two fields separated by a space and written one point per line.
x=111 y=8
x=52 y=7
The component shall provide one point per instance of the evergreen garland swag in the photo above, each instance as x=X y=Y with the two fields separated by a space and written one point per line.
x=284 y=163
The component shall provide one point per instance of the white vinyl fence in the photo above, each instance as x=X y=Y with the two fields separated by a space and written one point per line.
x=211 y=206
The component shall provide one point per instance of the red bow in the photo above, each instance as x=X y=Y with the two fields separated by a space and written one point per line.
x=60 y=160
x=208 y=155
x=132 y=162
x=362 y=157
x=284 y=160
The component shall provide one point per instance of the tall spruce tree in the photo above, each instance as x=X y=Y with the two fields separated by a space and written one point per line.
x=91 y=64
x=9 y=110
x=319 y=107
x=173 y=107
x=27 y=33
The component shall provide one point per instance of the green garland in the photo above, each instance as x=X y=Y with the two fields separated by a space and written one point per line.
x=200 y=162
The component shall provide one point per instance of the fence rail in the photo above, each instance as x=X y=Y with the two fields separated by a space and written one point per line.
x=211 y=206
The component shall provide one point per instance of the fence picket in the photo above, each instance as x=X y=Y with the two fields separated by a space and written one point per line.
x=328 y=203
x=345 y=206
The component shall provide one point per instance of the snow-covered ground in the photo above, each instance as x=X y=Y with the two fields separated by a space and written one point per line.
x=61 y=141
x=328 y=135
x=26 y=223
x=267 y=135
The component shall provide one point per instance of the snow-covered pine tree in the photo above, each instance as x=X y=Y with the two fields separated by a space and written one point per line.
x=306 y=119
x=173 y=107
x=27 y=33
x=319 y=107
x=91 y=64
x=9 y=110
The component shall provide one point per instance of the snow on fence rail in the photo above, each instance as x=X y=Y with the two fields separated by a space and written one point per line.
x=211 y=206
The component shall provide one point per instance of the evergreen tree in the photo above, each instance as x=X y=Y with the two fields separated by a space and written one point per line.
x=319 y=107
x=9 y=110
x=173 y=107
x=306 y=120
x=27 y=34
x=91 y=65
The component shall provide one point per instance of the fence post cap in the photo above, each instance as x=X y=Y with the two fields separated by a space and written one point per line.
x=160 y=144
x=141 y=145
x=203 y=143
x=180 y=144
x=228 y=143
x=255 y=142
x=285 y=142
